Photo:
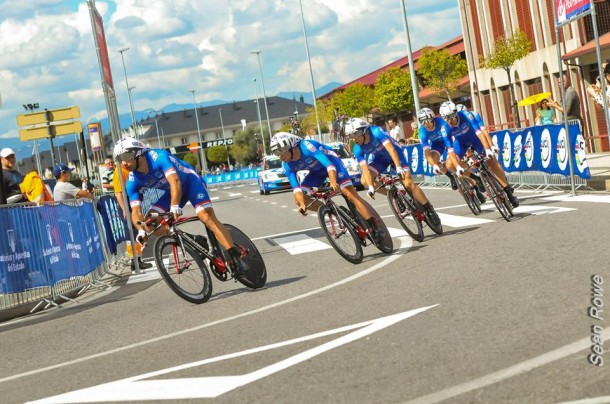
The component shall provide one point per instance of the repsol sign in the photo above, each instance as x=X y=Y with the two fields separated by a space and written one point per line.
x=219 y=142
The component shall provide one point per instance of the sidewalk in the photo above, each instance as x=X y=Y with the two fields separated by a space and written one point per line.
x=599 y=165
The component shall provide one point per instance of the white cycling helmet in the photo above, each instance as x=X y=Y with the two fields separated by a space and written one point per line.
x=355 y=127
x=425 y=114
x=448 y=110
x=461 y=107
x=128 y=148
x=282 y=142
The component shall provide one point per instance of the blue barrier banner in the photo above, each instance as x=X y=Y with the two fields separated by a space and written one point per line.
x=41 y=245
x=543 y=148
x=538 y=148
x=113 y=222
x=231 y=176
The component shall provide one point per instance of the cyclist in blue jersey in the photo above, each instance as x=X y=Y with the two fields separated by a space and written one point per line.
x=157 y=168
x=475 y=117
x=322 y=162
x=466 y=133
x=435 y=135
x=376 y=151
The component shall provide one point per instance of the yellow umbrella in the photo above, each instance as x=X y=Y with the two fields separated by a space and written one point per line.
x=533 y=99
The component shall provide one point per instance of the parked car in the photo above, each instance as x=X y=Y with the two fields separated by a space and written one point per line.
x=271 y=177
x=348 y=161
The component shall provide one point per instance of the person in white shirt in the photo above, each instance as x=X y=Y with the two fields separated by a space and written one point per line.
x=64 y=190
x=395 y=131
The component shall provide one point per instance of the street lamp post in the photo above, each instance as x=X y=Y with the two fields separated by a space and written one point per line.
x=157 y=127
x=260 y=122
x=133 y=117
x=135 y=128
x=222 y=128
x=410 y=55
x=203 y=161
x=313 y=86
x=260 y=66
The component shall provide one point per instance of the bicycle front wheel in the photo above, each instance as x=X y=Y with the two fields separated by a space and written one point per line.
x=405 y=214
x=256 y=276
x=469 y=194
x=183 y=270
x=496 y=194
x=341 y=235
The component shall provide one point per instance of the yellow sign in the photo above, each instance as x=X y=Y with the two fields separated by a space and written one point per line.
x=42 y=132
x=50 y=115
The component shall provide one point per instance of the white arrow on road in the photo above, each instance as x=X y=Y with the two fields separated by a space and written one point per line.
x=136 y=388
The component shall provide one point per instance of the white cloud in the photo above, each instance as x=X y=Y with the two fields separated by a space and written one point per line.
x=47 y=50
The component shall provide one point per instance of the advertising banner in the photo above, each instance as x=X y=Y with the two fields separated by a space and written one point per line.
x=567 y=10
x=103 y=50
x=95 y=136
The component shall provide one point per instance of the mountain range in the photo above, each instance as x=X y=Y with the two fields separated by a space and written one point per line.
x=24 y=149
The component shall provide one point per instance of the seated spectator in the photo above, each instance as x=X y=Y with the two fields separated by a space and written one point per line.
x=545 y=115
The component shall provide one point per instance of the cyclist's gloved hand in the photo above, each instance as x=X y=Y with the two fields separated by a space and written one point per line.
x=436 y=169
x=141 y=237
x=176 y=210
x=401 y=171
x=459 y=171
x=470 y=162
x=496 y=150
x=489 y=153
x=371 y=192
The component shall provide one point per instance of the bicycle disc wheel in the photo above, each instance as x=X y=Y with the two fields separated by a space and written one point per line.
x=386 y=245
x=340 y=235
x=405 y=214
x=256 y=276
x=470 y=196
x=183 y=270
x=494 y=191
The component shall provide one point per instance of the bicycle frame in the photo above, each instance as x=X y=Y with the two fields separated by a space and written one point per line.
x=389 y=182
x=325 y=196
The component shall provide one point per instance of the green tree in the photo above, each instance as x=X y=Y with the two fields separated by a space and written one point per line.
x=355 y=100
x=246 y=146
x=217 y=154
x=325 y=115
x=441 y=71
x=191 y=158
x=393 y=91
x=506 y=52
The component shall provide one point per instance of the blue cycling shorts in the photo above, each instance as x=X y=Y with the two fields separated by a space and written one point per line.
x=194 y=190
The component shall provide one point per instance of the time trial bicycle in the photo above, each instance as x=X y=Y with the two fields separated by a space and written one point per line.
x=468 y=192
x=407 y=210
x=184 y=260
x=492 y=186
x=346 y=229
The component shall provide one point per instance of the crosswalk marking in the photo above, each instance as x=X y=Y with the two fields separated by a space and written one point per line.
x=462 y=221
x=300 y=244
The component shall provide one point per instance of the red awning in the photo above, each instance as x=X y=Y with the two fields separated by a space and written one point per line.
x=604 y=43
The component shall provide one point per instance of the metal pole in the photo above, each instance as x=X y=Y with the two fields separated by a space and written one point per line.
x=135 y=127
x=410 y=57
x=133 y=117
x=203 y=161
x=222 y=127
x=260 y=122
x=260 y=66
x=157 y=126
x=313 y=86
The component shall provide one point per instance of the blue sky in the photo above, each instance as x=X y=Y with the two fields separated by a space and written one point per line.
x=47 y=53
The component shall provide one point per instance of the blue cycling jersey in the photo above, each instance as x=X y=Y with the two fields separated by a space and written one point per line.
x=161 y=164
x=319 y=159
x=439 y=138
x=375 y=149
x=465 y=134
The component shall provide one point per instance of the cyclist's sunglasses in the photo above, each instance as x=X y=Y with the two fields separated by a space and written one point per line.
x=425 y=121
x=278 y=152
x=127 y=156
x=451 y=116
x=357 y=133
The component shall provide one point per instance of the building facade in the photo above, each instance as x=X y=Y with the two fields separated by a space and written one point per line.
x=483 y=21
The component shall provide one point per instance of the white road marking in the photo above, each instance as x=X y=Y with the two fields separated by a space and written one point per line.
x=214 y=198
x=531 y=209
x=404 y=243
x=516 y=370
x=236 y=194
x=580 y=198
x=136 y=388
x=151 y=274
x=300 y=244
x=462 y=221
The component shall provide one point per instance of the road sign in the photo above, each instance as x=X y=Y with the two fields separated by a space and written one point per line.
x=51 y=115
x=46 y=131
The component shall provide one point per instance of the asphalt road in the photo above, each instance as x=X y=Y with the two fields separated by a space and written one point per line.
x=490 y=312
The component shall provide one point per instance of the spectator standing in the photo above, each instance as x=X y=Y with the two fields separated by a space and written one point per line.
x=107 y=175
x=415 y=136
x=595 y=90
x=12 y=178
x=64 y=190
x=572 y=101
x=395 y=131
x=545 y=115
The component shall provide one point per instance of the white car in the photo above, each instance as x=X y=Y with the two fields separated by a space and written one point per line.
x=353 y=168
x=272 y=177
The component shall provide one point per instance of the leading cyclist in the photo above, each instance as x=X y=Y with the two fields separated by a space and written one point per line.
x=157 y=168
x=376 y=145
x=322 y=162
x=467 y=132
